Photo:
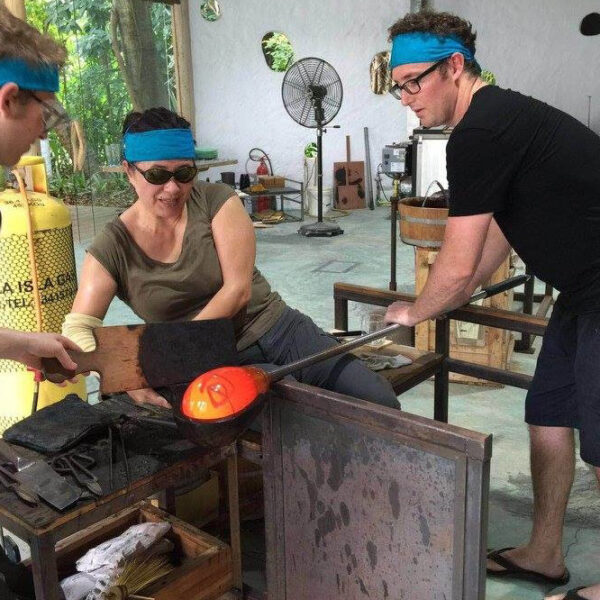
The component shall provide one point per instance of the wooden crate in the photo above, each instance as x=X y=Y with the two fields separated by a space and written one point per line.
x=470 y=342
x=205 y=569
x=272 y=181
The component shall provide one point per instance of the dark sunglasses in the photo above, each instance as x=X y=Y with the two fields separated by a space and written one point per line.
x=160 y=175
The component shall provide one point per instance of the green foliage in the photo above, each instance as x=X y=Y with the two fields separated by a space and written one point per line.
x=68 y=187
x=278 y=51
x=110 y=189
x=310 y=150
x=104 y=184
x=488 y=77
x=61 y=161
x=210 y=10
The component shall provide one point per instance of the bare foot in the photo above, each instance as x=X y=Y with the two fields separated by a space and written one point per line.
x=532 y=560
x=589 y=593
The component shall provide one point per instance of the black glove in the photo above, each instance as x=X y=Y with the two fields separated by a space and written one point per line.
x=58 y=427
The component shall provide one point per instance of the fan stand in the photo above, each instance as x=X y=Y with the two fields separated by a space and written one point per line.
x=320 y=229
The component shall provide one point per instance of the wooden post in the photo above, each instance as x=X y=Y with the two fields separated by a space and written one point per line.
x=182 y=51
x=43 y=565
x=234 y=520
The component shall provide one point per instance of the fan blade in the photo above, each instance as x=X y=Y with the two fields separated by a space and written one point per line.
x=296 y=108
x=330 y=102
x=307 y=105
x=296 y=86
x=318 y=74
x=304 y=75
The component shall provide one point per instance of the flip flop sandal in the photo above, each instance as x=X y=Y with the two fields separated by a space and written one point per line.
x=573 y=595
x=514 y=571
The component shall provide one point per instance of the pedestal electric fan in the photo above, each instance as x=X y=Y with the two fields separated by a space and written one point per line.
x=312 y=95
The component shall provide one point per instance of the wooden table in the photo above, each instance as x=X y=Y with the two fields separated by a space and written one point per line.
x=42 y=527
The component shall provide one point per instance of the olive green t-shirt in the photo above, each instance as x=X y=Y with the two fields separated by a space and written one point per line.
x=178 y=291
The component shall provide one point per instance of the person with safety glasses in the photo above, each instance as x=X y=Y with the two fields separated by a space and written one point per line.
x=29 y=64
x=527 y=175
x=185 y=250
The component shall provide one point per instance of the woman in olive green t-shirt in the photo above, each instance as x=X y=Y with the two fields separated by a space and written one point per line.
x=186 y=251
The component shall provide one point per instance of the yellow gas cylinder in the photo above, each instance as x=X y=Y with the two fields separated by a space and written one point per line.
x=54 y=269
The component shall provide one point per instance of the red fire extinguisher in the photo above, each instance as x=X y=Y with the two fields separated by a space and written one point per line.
x=262 y=167
x=262 y=202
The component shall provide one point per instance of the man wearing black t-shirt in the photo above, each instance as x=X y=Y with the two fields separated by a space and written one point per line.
x=521 y=174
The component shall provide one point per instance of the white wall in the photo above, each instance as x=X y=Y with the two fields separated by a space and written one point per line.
x=534 y=46
x=238 y=98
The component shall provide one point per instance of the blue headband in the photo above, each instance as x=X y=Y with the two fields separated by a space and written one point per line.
x=421 y=47
x=159 y=144
x=38 y=78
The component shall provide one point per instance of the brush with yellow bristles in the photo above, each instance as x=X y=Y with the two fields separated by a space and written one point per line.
x=136 y=575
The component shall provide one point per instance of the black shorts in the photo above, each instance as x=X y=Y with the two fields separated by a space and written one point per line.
x=565 y=391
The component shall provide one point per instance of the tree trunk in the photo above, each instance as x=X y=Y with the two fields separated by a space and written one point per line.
x=132 y=39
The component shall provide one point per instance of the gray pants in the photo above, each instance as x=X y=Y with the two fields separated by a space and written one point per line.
x=296 y=336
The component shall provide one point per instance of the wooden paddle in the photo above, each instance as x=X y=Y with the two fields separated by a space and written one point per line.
x=131 y=357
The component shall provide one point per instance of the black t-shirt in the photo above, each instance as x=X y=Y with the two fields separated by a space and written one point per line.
x=538 y=170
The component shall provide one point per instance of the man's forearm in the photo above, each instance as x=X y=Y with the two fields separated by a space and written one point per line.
x=447 y=285
x=443 y=294
x=440 y=295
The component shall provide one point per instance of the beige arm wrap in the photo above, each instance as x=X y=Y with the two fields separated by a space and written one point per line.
x=78 y=328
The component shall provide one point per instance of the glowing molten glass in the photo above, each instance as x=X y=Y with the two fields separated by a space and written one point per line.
x=223 y=392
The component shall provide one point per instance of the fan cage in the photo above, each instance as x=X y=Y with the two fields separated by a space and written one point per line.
x=298 y=89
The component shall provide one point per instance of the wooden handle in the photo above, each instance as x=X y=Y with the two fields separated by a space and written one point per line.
x=347 y=148
x=53 y=371
x=115 y=358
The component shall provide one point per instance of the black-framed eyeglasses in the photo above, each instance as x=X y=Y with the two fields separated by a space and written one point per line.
x=53 y=112
x=160 y=175
x=413 y=86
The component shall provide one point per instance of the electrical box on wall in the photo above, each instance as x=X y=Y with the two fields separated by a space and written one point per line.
x=396 y=159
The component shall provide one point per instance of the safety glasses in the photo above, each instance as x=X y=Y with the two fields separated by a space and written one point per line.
x=413 y=86
x=53 y=112
x=160 y=175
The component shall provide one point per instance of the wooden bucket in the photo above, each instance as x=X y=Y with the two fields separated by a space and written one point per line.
x=420 y=225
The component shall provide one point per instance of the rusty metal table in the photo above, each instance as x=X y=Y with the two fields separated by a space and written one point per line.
x=42 y=527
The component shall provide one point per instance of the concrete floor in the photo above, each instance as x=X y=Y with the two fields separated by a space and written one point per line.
x=303 y=270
